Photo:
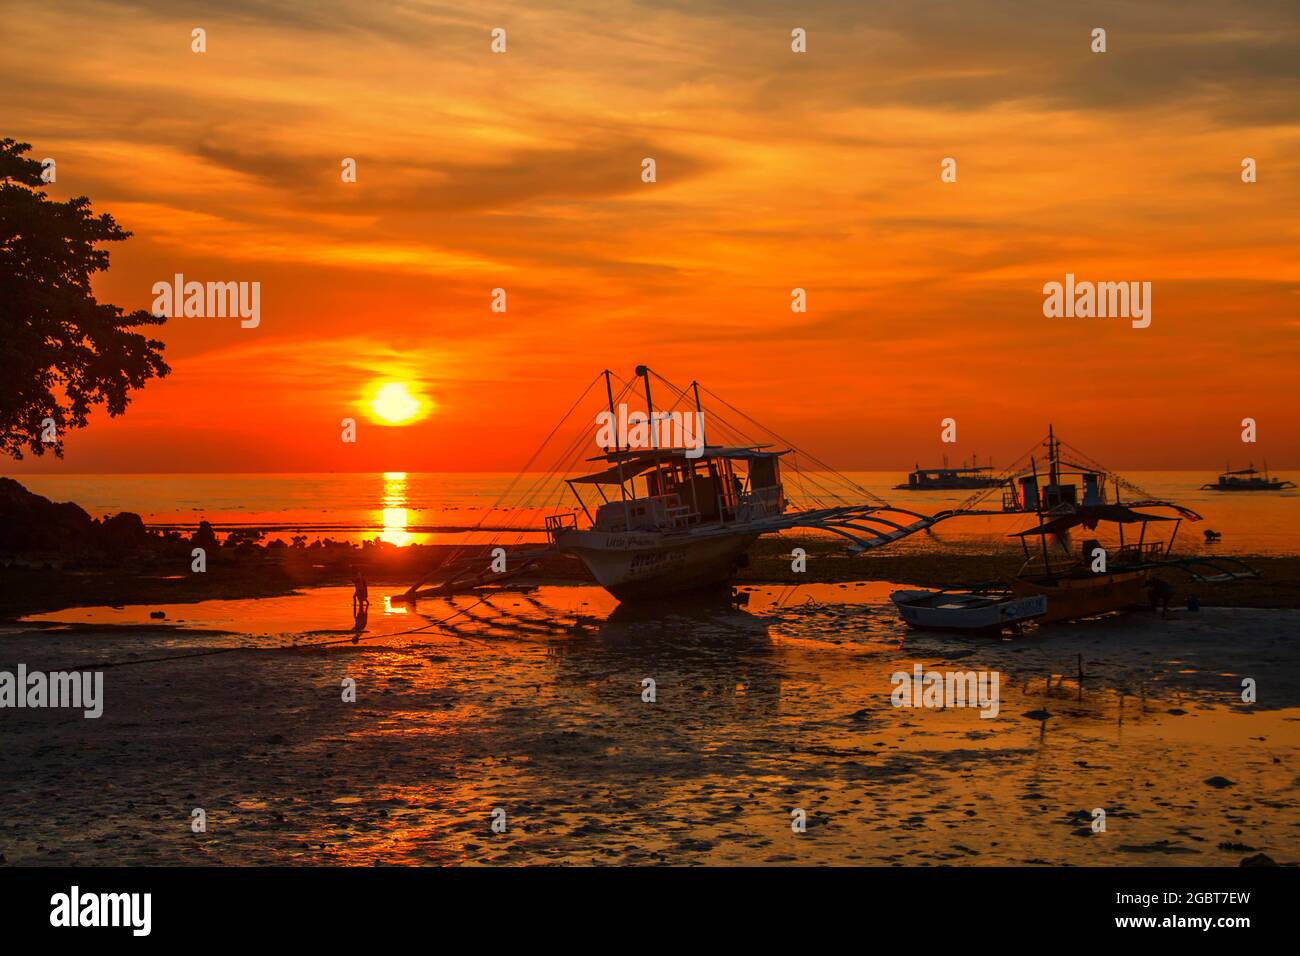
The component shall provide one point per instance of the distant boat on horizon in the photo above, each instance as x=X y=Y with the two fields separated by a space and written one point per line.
x=1247 y=479
x=972 y=476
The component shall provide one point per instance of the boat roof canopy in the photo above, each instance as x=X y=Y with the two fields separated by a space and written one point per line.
x=630 y=463
x=709 y=451
x=1090 y=516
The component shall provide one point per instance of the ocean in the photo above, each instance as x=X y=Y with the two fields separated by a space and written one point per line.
x=404 y=508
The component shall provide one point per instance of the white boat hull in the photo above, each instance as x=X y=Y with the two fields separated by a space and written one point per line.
x=639 y=565
x=966 y=612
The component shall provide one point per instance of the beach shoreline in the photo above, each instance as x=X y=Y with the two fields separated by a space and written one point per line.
x=55 y=555
x=160 y=574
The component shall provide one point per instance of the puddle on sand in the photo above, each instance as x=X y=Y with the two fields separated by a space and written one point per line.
x=329 y=610
x=316 y=609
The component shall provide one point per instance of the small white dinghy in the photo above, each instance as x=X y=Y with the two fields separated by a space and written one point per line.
x=967 y=610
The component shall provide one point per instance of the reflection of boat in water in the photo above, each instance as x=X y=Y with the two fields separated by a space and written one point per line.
x=1091 y=579
x=969 y=610
x=1248 y=479
x=966 y=477
x=702 y=644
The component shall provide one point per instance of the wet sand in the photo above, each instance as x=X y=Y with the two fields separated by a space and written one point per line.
x=533 y=704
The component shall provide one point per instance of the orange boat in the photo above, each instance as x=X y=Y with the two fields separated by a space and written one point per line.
x=1069 y=598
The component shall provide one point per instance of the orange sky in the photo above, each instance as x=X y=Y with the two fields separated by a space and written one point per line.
x=775 y=170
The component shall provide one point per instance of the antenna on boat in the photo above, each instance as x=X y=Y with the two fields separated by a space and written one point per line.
x=644 y=372
x=609 y=394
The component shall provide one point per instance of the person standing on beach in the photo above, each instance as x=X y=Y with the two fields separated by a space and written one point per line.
x=360 y=593
x=1159 y=594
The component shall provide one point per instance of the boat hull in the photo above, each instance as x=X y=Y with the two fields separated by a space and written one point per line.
x=968 y=485
x=641 y=566
x=1071 y=598
x=935 y=611
x=1280 y=486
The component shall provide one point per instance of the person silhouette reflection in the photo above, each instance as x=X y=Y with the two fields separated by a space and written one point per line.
x=360 y=616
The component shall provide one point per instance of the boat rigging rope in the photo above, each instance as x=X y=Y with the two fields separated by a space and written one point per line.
x=1005 y=477
x=813 y=458
x=1118 y=479
x=827 y=492
x=458 y=552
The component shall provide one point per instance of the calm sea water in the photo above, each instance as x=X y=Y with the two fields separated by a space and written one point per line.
x=405 y=508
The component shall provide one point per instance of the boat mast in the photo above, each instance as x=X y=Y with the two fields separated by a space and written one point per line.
x=609 y=395
x=689 y=465
x=1053 y=463
x=699 y=412
x=644 y=372
x=622 y=490
x=1042 y=500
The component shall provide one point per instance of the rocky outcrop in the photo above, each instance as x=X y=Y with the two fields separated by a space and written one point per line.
x=33 y=524
x=122 y=532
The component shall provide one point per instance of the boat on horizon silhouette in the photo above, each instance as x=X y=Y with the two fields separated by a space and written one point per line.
x=967 y=477
x=1247 y=479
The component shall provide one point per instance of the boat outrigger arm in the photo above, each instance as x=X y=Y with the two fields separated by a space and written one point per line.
x=866 y=526
x=1222 y=568
x=855 y=523
x=471 y=573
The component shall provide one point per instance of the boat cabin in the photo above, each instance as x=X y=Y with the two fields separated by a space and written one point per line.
x=1057 y=558
x=666 y=489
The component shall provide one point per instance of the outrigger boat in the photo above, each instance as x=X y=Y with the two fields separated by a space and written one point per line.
x=675 y=519
x=1088 y=579
x=1060 y=581
x=656 y=520
x=1248 y=479
x=947 y=479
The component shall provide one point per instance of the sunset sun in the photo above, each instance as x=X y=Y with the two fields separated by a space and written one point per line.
x=398 y=403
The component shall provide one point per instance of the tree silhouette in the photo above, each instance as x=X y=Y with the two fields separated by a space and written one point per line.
x=61 y=352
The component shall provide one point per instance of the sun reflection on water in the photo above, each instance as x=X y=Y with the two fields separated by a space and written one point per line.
x=393 y=510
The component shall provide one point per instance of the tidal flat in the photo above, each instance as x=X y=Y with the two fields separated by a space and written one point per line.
x=535 y=703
